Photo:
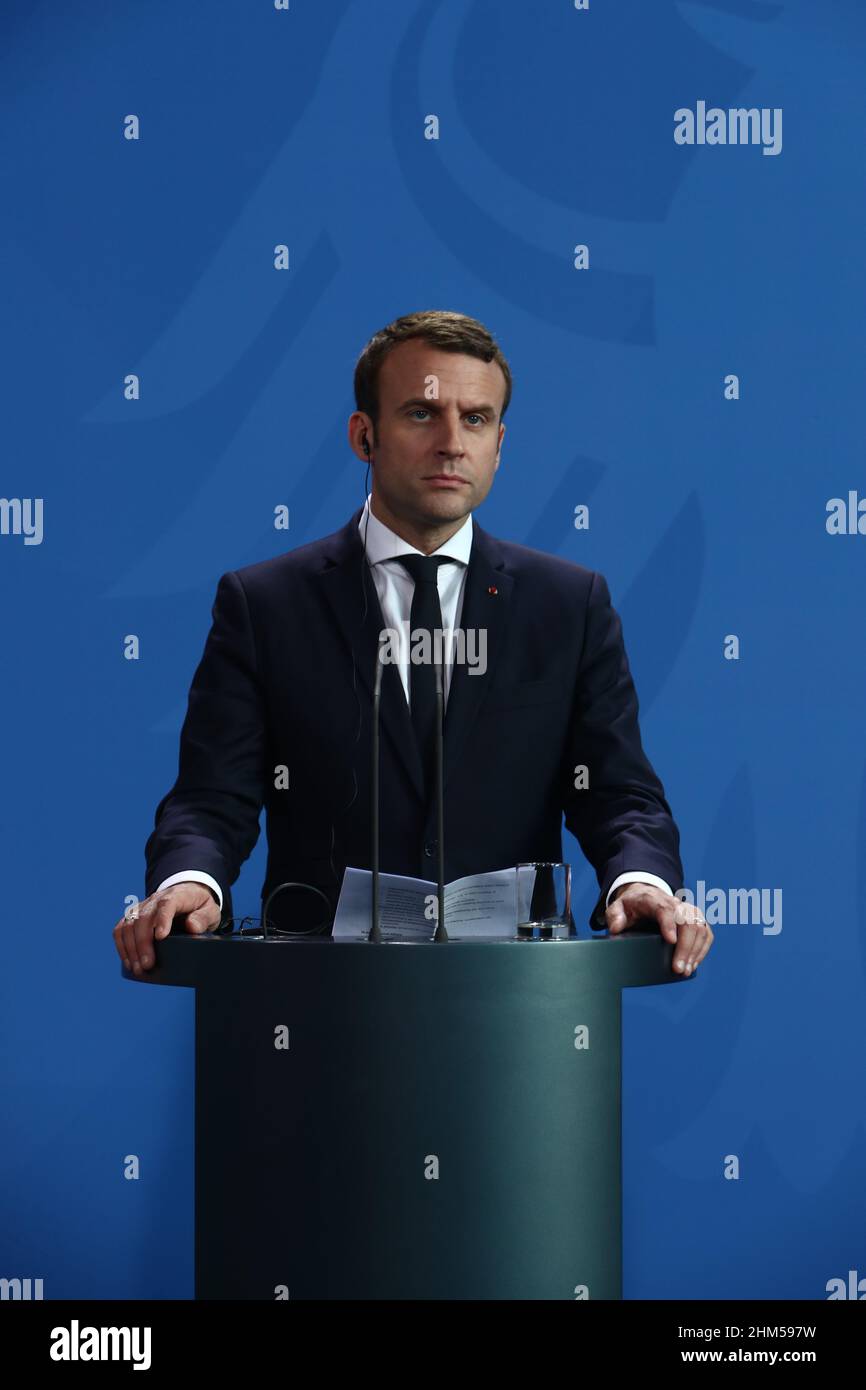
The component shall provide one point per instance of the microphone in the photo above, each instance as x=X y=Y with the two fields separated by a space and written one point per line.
x=375 y=928
x=441 y=934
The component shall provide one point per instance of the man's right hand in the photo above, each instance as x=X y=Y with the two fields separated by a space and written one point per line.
x=152 y=918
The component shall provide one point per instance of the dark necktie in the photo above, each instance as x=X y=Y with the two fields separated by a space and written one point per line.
x=427 y=614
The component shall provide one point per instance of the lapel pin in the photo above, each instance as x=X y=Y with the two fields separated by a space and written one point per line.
x=493 y=589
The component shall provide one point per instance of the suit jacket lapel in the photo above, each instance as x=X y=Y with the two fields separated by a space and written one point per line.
x=342 y=577
x=486 y=601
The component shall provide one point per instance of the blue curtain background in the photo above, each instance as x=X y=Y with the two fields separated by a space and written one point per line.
x=708 y=517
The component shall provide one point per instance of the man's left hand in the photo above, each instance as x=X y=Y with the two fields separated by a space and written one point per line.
x=680 y=923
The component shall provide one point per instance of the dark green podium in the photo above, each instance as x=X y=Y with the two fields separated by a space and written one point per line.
x=408 y=1121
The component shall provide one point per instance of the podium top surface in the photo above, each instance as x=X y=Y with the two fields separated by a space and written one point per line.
x=637 y=957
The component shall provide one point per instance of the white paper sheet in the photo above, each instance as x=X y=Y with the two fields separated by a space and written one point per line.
x=479 y=905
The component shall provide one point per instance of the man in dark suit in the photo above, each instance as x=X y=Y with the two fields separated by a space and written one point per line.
x=541 y=715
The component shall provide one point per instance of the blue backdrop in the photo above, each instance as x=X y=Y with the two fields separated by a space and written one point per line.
x=694 y=378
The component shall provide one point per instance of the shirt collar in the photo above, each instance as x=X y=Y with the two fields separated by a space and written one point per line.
x=385 y=544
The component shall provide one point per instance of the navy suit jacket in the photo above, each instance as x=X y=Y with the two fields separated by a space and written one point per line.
x=286 y=679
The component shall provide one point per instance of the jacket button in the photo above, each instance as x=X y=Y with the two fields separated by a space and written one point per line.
x=430 y=848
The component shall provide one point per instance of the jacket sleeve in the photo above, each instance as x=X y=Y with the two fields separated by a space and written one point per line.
x=210 y=818
x=621 y=819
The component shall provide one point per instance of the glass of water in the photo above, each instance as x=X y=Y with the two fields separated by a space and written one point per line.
x=543 y=900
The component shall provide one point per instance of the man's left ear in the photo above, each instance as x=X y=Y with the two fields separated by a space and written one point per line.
x=499 y=447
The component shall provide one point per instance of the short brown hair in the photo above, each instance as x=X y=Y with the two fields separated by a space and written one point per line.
x=442 y=328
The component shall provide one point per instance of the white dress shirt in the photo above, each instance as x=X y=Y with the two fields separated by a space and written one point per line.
x=395 y=586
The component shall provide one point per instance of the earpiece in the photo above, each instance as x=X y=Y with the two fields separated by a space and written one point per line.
x=366 y=447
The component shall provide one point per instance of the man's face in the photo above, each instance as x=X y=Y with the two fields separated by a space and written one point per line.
x=436 y=447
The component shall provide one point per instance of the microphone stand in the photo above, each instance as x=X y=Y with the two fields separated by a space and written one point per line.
x=375 y=928
x=441 y=934
x=375 y=933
